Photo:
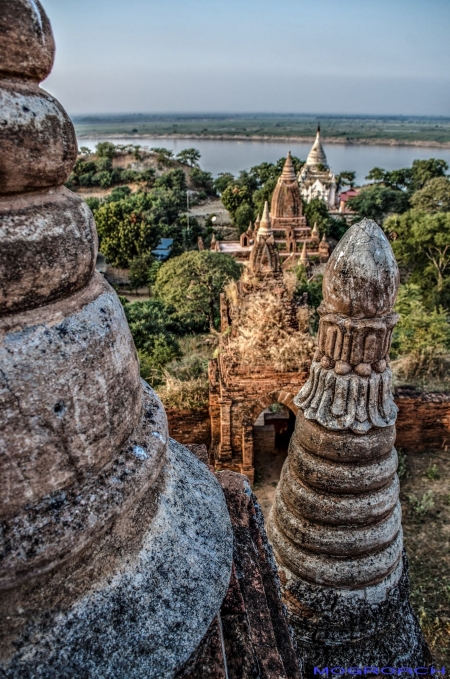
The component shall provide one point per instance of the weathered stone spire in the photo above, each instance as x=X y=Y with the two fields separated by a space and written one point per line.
x=111 y=565
x=317 y=155
x=264 y=257
x=315 y=235
x=288 y=173
x=286 y=205
x=304 y=256
x=265 y=224
x=336 y=522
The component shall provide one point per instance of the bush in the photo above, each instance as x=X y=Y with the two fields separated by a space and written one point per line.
x=421 y=339
x=155 y=344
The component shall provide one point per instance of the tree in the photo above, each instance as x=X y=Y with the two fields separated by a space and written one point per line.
x=421 y=336
x=243 y=217
x=346 y=179
x=105 y=149
x=126 y=229
x=376 y=175
x=424 y=170
x=155 y=344
x=85 y=151
x=140 y=271
x=192 y=283
x=203 y=180
x=234 y=196
x=422 y=245
x=163 y=156
x=189 y=157
x=316 y=212
x=375 y=202
x=434 y=197
x=222 y=180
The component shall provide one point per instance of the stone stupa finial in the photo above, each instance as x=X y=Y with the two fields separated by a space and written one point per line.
x=264 y=256
x=304 y=256
x=315 y=235
x=316 y=156
x=108 y=566
x=265 y=224
x=336 y=522
x=288 y=173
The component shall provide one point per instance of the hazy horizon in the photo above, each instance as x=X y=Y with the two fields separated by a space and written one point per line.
x=391 y=57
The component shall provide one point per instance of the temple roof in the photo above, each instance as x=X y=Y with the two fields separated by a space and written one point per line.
x=317 y=155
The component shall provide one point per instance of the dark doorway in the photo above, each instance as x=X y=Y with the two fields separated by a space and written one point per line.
x=272 y=432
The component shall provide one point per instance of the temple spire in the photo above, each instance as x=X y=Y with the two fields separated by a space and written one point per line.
x=304 y=256
x=288 y=173
x=317 y=155
x=265 y=225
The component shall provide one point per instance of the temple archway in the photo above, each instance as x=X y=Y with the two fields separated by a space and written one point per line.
x=272 y=431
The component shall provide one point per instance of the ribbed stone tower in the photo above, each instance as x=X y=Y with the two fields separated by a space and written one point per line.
x=264 y=257
x=336 y=522
x=116 y=544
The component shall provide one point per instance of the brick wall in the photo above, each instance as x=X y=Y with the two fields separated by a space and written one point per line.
x=423 y=420
x=190 y=426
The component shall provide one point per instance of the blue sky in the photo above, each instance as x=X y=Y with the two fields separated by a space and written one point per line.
x=322 y=56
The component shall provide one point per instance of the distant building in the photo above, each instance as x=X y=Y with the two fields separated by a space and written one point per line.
x=316 y=179
x=344 y=197
x=164 y=249
x=289 y=229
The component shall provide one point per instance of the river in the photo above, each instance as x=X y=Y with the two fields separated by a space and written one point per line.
x=233 y=156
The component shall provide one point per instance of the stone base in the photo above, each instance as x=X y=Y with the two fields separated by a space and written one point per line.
x=140 y=599
x=370 y=627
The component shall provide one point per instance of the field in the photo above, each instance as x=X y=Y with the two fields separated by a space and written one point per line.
x=340 y=129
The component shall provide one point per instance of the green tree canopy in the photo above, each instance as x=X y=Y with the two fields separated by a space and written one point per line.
x=140 y=268
x=421 y=335
x=422 y=245
x=191 y=285
x=376 y=202
x=409 y=179
x=155 y=344
x=105 y=149
x=189 y=157
x=222 y=180
x=434 y=197
x=126 y=229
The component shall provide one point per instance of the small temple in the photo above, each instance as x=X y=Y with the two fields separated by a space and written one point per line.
x=291 y=234
x=316 y=179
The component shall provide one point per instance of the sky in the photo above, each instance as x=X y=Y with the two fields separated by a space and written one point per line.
x=280 y=56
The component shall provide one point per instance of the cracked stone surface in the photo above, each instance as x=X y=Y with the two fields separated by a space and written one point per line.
x=115 y=545
x=336 y=521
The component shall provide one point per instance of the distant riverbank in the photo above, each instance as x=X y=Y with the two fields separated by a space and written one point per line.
x=233 y=154
x=342 y=141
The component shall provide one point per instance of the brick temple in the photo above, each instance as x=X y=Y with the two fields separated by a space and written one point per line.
x=292 y=235
x=241 y=390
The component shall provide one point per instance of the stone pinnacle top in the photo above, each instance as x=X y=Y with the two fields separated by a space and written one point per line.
x=288 y=174
x=304 y=255
x=361 y=278
x=265 y=225
x=317 y=155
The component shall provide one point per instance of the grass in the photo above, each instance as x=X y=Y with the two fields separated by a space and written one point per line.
x=185 y=383
x=369 y=128
x=426 y=523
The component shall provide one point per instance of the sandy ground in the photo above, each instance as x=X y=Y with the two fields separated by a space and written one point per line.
x=267 y=474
